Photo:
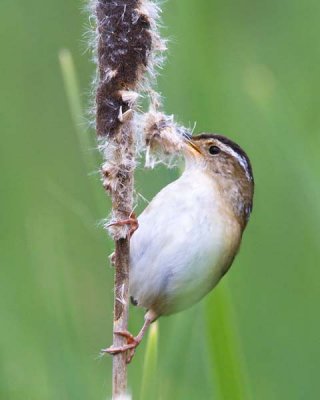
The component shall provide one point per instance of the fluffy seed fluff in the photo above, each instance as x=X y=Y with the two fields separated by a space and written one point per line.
x=163 y=137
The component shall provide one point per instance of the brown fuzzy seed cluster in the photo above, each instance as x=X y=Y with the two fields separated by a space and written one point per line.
x=123 y=49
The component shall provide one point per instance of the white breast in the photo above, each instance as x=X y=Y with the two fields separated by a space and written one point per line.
x=186 y=237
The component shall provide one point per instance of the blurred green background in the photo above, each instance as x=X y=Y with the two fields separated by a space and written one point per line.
x=248 y=69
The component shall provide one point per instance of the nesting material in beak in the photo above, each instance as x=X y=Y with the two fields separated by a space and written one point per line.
x=163 y=138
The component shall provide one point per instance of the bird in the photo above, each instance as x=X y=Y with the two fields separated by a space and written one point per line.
x=191 y=231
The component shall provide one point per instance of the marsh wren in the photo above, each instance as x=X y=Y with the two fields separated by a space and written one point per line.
x=190 y=233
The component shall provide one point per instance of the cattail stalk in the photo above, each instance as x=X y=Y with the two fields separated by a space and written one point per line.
x=123 y=44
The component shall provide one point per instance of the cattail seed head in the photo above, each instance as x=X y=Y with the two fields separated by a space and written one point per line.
x=124 y=45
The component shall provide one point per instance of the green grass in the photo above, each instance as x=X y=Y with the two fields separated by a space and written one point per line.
x=150 y=382
x=225 y=344
x=248 y=70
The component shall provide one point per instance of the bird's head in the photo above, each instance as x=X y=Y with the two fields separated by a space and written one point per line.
x=227 y=164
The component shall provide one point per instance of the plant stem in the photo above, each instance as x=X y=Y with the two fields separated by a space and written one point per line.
x=122 y=202
x=121 y=314
x=123 y=45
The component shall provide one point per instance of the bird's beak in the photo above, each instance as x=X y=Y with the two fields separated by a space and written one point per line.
x=191 y=146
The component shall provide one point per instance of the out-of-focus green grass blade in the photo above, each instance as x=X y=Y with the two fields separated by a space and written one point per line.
x=73 y=94
x=224 y=340
x=150 y=376
x=71 y=86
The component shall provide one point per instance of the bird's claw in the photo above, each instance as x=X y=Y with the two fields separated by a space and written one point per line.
x=130 y=347
x=131 y=221
x=126 y=334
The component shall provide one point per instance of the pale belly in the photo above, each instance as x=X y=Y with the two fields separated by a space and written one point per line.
x=185 y=240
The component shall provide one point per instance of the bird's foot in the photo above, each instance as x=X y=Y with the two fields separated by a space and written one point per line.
x=132 y=341
x=131 y=221
x=130 y=347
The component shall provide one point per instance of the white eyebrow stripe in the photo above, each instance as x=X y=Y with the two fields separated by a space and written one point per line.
x=242 y=160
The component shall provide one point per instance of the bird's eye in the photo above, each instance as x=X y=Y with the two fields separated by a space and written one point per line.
x=214 y=150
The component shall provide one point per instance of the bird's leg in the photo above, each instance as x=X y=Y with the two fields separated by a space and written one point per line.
x=132 y=341
x=132 y=221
